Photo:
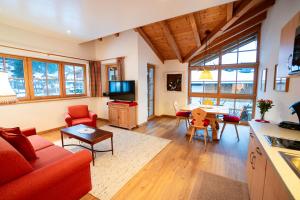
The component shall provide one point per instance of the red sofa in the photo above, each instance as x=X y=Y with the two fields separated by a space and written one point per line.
x=55 y=174
x=80 y=114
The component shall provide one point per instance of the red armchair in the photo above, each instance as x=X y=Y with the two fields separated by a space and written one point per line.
x=80 y=114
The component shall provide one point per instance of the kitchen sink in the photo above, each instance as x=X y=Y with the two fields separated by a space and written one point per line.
x=293 y=160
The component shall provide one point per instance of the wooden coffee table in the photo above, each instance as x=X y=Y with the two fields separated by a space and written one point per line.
x=89 y=138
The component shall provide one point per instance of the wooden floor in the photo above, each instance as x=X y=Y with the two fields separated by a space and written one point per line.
x=173 y=173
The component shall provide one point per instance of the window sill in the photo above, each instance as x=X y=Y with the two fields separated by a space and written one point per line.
x=46 y=100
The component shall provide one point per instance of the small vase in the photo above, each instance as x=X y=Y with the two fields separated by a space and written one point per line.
x=262 y=118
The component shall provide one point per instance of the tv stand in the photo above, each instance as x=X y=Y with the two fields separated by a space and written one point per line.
x=122 y=114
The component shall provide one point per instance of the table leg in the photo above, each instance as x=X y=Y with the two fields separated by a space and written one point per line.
x=62 y=139
x=112 y=146
x=93 y=156
x=212 y=118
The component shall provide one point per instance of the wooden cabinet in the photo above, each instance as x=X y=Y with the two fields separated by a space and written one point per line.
x=274 y=189
x=122 y=114
x=263 y=181
x=256 y=166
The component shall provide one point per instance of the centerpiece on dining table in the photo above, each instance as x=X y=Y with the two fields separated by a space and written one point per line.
x=264 y=106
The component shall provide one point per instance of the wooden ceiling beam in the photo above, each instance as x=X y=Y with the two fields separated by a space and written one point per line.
x=234 y=33
x=249 y=23
x=229 y=11
x=148 y=41
x=170 y=39
x=261 y=8
x=243 y=8
x=195 y=29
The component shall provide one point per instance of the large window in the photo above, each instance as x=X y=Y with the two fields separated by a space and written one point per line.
x=34 y=79
x=237 y=81
x=204 y=86
x=232 y=81
x=14 y=66
x=45 y=76
x=74 y=79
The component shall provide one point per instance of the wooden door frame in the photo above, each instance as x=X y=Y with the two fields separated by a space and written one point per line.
x=153 y=67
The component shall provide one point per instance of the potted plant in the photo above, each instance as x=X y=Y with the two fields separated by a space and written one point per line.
x=264 y=106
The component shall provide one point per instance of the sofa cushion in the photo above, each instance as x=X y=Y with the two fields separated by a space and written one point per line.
x=13 y=164
x=79 y=111
x=15 y=130
x=85 y=121
x=231 y=118
x=21 y=143
x=38 y=142
x=49 y=155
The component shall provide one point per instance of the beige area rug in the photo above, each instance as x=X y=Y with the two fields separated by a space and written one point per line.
x=132 y=151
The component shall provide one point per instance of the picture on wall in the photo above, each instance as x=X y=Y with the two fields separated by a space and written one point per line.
x=281 y=84
x=174 y=82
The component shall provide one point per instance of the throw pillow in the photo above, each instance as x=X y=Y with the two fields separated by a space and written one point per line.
x=20 y=143
x=15 y=130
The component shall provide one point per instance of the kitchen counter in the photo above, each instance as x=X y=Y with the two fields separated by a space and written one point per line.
x=288 y=176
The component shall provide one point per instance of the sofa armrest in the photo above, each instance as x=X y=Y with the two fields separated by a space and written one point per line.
x=92 y=115
x=39 y=183
x=68 y=120
x=29 y=131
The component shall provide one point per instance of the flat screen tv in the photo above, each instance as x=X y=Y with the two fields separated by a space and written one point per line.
x=122 y=90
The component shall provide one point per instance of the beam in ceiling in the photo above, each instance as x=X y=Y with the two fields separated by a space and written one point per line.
x=170 y=39
x=243 y=26
x=195 y=29
x=229 y=11
x=261 y=8
x=245 y=7
x=148 y=41
x=232 y=34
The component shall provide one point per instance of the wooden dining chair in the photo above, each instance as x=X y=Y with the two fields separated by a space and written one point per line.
x=233 y=118
x=181 y=115
x=199 y=123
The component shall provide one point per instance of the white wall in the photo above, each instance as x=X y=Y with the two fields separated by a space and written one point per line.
x=167 y=98
x=145 y=56
x=112 y=47
x=42 y=115
x=278 y=16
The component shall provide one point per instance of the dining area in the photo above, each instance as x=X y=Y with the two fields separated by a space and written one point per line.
x=206 y=119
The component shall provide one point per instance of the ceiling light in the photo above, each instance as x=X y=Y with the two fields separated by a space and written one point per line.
x=206 y=75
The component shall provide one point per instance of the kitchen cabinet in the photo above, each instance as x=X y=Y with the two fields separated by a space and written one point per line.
x=264 y=182
x=274 y=189
x=256 y=166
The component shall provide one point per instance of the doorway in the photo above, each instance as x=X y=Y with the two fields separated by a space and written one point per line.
x=151 y=90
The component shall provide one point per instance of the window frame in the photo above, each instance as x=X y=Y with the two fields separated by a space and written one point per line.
x=219 y=67
x=65 y=95
x=25 y=69
x=28 y=78
x=31 y=83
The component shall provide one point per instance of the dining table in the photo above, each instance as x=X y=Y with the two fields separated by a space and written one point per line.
x=212 y=113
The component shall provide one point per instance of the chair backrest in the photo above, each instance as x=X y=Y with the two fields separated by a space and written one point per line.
x=78 y=111
x=198 y=117
x=176 y=106
x=208 y=102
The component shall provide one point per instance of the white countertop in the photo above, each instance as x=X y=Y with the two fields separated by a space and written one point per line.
x=288 y=176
